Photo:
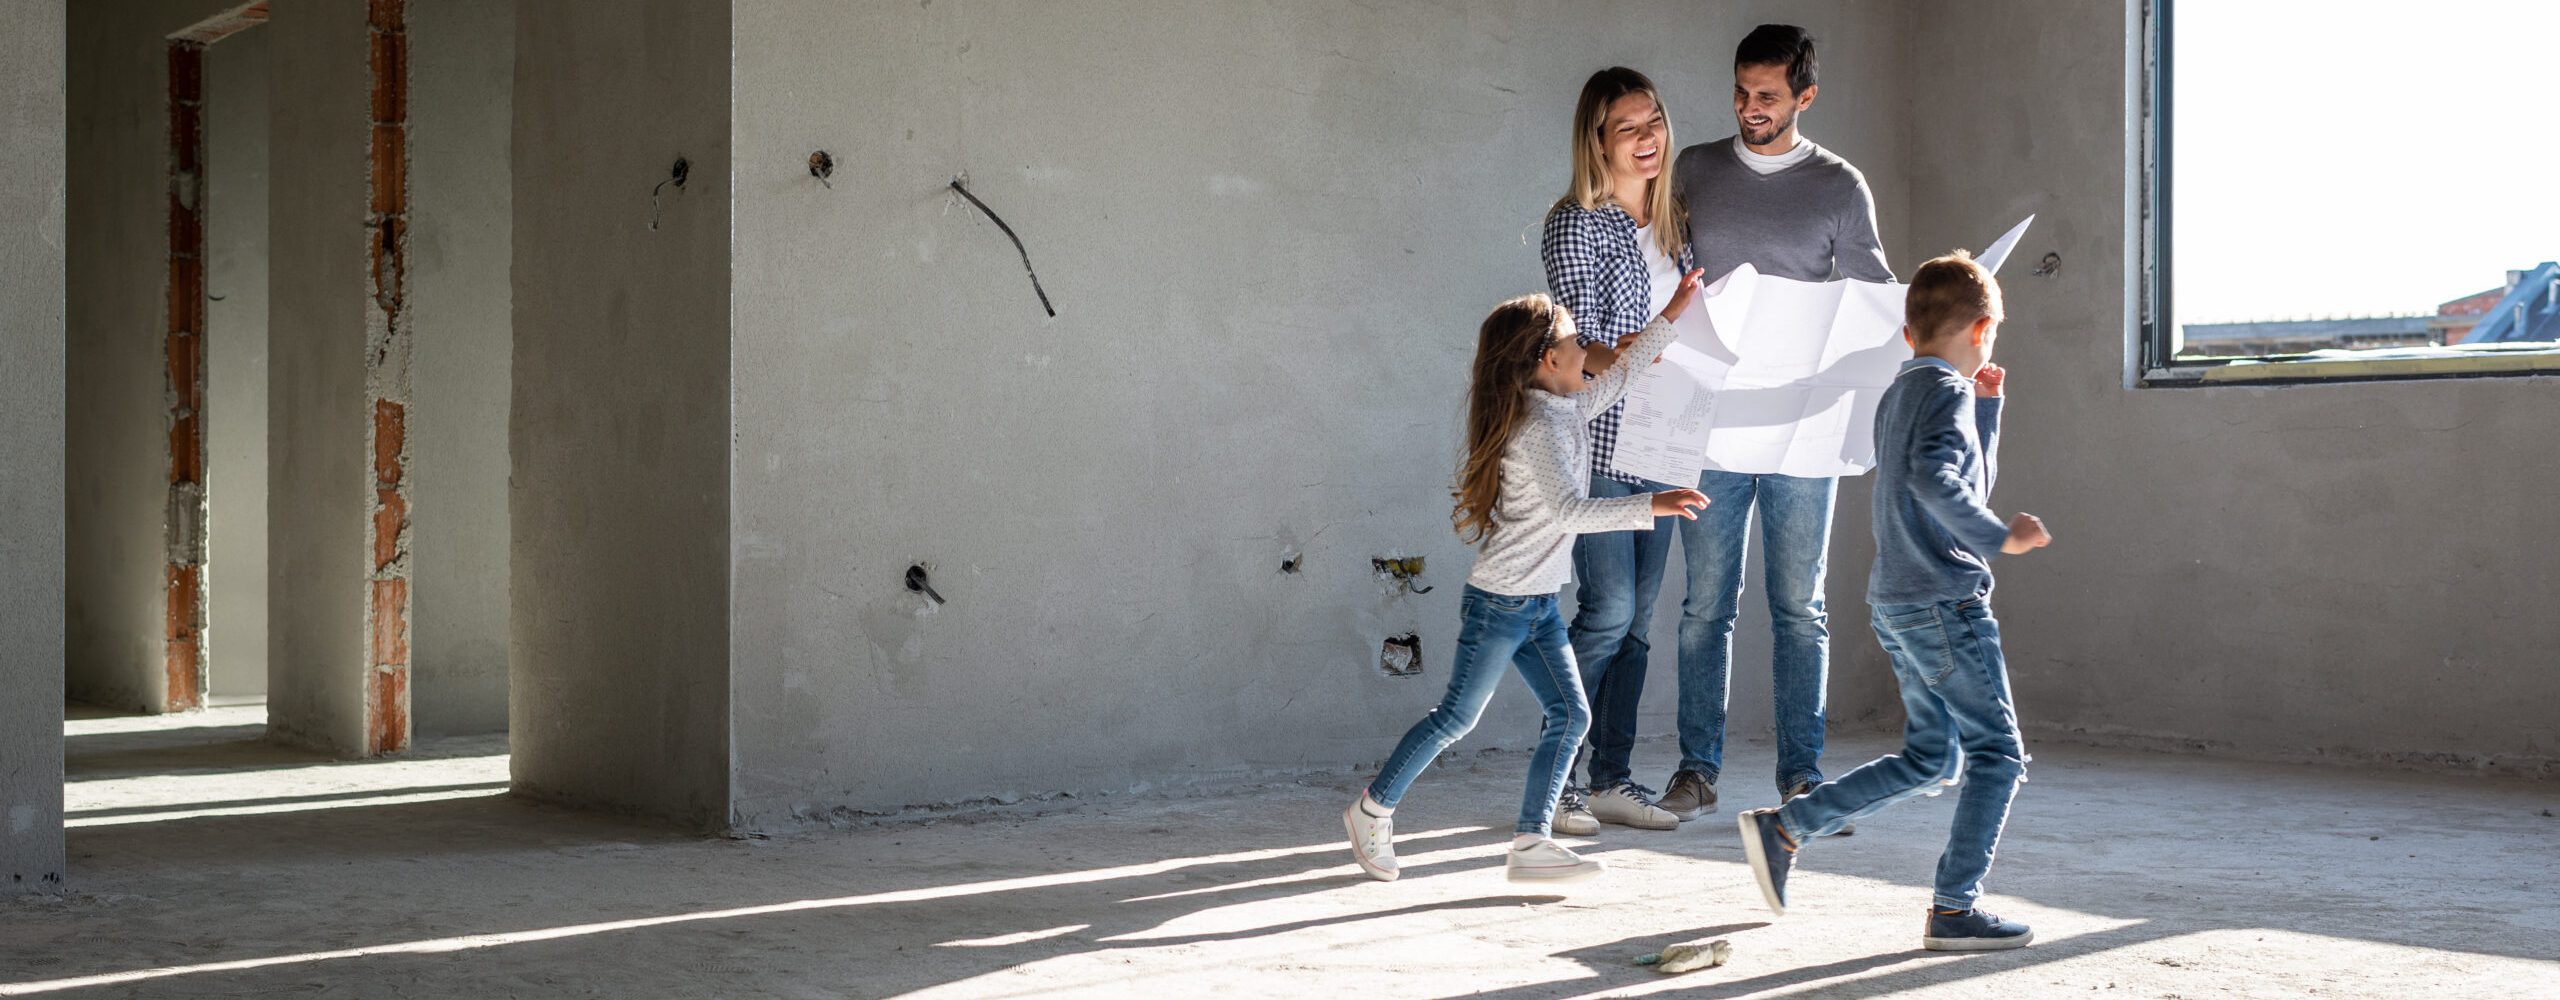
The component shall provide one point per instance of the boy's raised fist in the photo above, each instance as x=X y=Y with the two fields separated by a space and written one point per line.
x=2026 y=531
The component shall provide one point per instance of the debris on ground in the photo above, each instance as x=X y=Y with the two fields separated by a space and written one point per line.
x=1689 y=956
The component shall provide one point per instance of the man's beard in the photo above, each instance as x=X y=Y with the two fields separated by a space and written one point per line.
x=1777 y=127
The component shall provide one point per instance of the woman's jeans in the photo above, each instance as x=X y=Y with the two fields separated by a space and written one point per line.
x=1959 y=720
x=1617 y=575
x=1527 y=633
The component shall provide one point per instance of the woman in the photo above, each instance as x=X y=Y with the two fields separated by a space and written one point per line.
x=1615 y=248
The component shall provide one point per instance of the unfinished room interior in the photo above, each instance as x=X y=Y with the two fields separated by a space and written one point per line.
x=955 y=498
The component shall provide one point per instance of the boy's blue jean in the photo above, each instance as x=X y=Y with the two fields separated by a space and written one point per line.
x=1617 y=575
x=1527 y=633
x=1795 y=536
x=1959 y=720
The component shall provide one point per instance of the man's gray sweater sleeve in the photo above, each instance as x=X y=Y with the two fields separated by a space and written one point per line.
x=1855 y=248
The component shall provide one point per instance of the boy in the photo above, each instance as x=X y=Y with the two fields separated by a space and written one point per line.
x=1937 y=431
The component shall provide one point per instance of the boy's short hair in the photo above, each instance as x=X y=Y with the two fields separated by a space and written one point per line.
x=1949 y=293
x=1779 y=45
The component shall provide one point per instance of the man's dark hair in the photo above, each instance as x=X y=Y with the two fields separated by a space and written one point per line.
x=1779 y=45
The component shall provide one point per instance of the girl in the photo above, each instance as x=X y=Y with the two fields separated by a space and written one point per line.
x=1615 y=247
x=1522 y=495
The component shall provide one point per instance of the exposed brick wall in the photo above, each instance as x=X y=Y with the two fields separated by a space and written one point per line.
x=184 y=660
x=387 y=614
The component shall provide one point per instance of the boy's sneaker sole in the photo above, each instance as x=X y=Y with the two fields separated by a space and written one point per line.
x=1977 y=943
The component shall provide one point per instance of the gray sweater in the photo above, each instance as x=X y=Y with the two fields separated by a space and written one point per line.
x=1546 y=481
x=1814 y=221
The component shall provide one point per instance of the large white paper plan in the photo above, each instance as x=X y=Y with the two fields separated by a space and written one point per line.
x=1772 y=375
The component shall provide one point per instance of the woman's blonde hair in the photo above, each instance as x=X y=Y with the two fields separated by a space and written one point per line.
x=1590 y=188
x=1513 y=340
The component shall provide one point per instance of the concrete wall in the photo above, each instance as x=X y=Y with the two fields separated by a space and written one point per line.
x=317 y=417
x=619 y=425
x=2262 y=571
x=31 y=438
x=117 y=434
x=461 y=67
x=1270 y=233
x=235 y=135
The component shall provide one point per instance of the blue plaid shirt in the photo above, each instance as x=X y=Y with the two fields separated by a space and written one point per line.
x=1596 y=270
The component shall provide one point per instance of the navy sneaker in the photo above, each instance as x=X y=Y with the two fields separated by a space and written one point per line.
x=1973 y=930
x=1772 y=854
x=1802 y=787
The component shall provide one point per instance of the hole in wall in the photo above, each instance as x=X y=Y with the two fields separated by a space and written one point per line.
x=1400 y=655
x=1404 y=571
x=919 y=580
x=676 y=175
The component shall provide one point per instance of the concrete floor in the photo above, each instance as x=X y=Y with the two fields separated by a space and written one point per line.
x=2145 y=876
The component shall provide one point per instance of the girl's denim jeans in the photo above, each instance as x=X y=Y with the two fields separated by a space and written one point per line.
x=1529 y=634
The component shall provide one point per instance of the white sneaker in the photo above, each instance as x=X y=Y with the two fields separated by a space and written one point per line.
x=1548 y=861
x=1631 y=804
x=1573 y=816
x=1372 y=840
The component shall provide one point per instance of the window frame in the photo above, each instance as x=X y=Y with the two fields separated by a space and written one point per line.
x=2154 y=347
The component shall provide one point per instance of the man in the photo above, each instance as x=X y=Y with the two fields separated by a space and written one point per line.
x=1770 y=198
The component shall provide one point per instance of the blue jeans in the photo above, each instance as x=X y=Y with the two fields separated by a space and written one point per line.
x=1959 y=720
x=1617 y=576
x=1795 y=536
x=1527 y=633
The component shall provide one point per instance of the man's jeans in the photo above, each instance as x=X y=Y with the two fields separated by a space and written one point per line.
x=1527 y=633
x=1955 y=697
x=1795 y=534
x=1617 y=575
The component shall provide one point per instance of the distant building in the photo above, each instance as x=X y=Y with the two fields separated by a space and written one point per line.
x=2228 y=340
x=2526 y=311
x=2455 y=318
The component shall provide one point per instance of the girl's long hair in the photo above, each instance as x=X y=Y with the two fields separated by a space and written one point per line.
x=1509 y=347
x=1591 y=158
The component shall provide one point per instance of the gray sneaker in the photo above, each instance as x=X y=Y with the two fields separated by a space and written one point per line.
x=1629 y=804
x=1690 y=796
x=1573 y=815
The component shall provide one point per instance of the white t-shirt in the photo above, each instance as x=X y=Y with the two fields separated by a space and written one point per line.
x=1764 y=165
x=1662 y=274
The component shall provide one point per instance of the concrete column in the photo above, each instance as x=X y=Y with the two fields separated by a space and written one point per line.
x=236 y=363
x=319 y=419
x=31 y=440
x=462 y=66
x=619 y=430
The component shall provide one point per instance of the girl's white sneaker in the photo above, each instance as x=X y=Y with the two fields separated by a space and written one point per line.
x=1548 y=861
x=1372 y=840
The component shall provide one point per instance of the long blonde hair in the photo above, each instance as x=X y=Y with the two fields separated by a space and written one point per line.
x=1509 y=347
x=1590 y=188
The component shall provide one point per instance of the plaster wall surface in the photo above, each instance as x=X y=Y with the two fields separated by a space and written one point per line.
x=619 y=423
x=318 y=462
x=462 y=66
x=2262 y=571
x=236 y=363
x=117 y=418
x=31 y=441
x=1269 y=234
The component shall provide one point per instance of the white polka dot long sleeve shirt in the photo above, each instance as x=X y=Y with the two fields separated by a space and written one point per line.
x=1546 y=482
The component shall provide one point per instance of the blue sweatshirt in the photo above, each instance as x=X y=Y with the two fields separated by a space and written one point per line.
x=1935 y=448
